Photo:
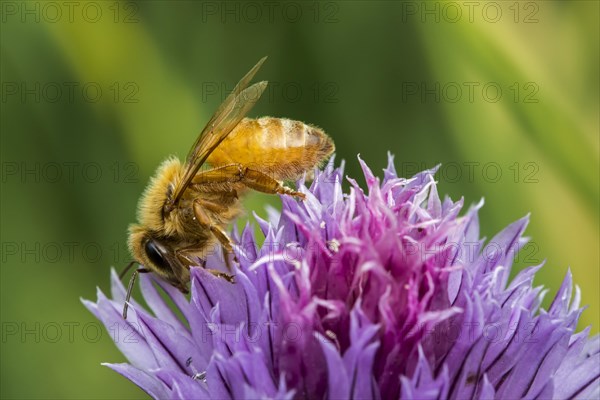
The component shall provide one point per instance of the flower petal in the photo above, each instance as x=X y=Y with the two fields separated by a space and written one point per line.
x=149 y=384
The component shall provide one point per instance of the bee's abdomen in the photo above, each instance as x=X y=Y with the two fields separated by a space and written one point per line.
x=283 y=148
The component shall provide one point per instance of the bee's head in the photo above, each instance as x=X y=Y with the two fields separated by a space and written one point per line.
x=159 y=256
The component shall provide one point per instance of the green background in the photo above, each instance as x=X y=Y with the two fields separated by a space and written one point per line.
x=94 y=99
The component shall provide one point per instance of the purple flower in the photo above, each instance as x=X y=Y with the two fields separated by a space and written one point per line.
x=383 y=294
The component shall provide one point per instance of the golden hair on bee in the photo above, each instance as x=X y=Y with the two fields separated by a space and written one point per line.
x=149 y=211
x=186 y=208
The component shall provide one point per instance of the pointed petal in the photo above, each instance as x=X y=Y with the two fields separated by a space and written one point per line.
x=149 y=384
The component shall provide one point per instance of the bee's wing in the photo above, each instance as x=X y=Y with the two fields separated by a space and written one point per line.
x=227 y=116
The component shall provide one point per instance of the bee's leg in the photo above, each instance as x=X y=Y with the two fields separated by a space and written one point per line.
x=252 y=178
x=186 y=259
x=204 y=219
x=183 y=257
x=226 y=247
x=223 y=275
x=225 y=174
x=262 y=182
x=227 y=260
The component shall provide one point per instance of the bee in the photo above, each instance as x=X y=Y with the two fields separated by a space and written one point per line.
x=186 y=208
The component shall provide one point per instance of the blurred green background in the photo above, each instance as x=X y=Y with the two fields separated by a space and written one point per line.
x=95 y=95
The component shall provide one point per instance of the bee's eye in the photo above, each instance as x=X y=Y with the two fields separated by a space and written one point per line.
x=154 y=253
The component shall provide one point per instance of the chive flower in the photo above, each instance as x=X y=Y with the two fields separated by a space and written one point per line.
x=388 y=293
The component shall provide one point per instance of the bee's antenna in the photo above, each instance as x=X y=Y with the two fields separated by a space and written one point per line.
x=130 y=286
x=127 y=268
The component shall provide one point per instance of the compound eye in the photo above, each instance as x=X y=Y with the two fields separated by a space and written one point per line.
x=155 y=253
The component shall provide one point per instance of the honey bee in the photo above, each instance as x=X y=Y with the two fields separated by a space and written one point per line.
x=186 y=208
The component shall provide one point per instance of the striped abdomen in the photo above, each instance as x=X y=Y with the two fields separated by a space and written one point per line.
x=280 y=147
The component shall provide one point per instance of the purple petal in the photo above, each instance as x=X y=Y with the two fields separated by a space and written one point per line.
x=487 y=391
x=210 y=290
x=126 y=334
x=160 y=308
x=338 y=379
x=149 y=384
x=183 y=386
x=171 y=347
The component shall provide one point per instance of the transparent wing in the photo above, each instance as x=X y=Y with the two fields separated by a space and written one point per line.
x=227 y=116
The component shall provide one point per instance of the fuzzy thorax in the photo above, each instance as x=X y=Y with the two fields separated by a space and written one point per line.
x=161 y=186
